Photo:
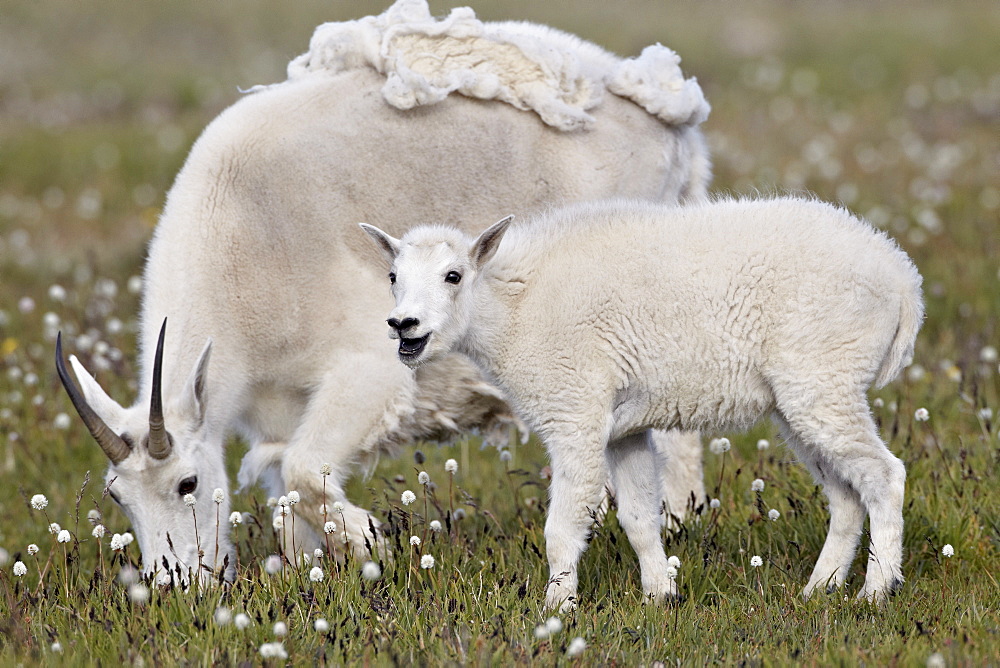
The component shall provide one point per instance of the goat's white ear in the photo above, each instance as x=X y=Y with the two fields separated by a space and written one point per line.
x=193 y=398
x=387 y=244
x=106 y=408
x=488 y=242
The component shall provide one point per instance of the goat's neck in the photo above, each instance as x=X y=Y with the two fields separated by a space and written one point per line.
x=487 y=322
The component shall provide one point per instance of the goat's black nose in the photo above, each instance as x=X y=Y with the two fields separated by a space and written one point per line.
x=405 y=323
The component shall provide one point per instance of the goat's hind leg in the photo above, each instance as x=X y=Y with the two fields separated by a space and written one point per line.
x=843 y=443
x=635 y=475
x=847 y=518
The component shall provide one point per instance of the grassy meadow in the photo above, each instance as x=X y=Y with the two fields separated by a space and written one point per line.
x=891 y=108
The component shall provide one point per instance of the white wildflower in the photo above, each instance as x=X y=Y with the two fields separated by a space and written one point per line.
x=272 y=564
x=423 y=478
x=278 y=522
x=338 y=507
x=576 y=647
x=98 y=531
x=718 y=446
x=877 y=402
x=505 y=456
x=283 y=501
x=272 y=502
x=223 y=616
x=988 y=354
x=241 y=621
x=756 y=561
x=948 y=550
x=325 y=469
x=435 y=526
x=138 y=593
x=321 y=625
x=451 y=466
x=915 y=373
x=459 y=514
x=773 y=514
x=408 y=497
x=671 y=572
x=190 y=500
x=371 y=571
x=427 y=561
x=127 y=538
x=936 y=660
x=541 y=632
x=554 y=625
x=714 y=504
x=316 y=574
x=38 y=501
x=236 y=518
x=763 y=444
x=129 y=575
x=921 y=415
x=318 y=553
x=280 y=629
x=218 y=495
x=273 y=650
x=415 y=541
x=94 y=515
x=56 y=647
x=329 y=528
x=54 y=528
x=757 y=485
x=64 y=536
x=20 y=569
x=117 y=544
x=32 y=550
x=674 y=561
x=293 y=498
x=985 y=413
x=162 y=579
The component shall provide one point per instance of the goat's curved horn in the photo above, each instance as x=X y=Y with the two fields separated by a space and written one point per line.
x=159 y=443
x=113 y=445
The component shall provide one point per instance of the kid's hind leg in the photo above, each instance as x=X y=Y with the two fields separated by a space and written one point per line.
x=847 y=518
x=579 y=472
x=634 y=473
x=844 y=444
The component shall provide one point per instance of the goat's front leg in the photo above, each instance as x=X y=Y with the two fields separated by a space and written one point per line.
x=579 y=471
x=339 y=428
x=634 y=474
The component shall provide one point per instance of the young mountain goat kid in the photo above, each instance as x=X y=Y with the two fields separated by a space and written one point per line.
x=601 y=321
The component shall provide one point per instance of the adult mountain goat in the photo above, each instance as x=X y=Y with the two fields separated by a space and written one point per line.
x=600 y=321
x=256 y=258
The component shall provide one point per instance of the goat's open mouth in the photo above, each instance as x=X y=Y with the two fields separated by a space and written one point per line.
x=413 y=347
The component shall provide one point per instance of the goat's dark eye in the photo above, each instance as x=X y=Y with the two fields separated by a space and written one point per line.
x=453 y=277
x=188 y=485
x=392 y=278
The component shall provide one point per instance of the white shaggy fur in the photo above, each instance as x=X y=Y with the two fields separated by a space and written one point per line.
x=256 y=251
x=600 y=321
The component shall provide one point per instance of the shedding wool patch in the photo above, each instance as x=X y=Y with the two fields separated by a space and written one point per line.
x=555 y=74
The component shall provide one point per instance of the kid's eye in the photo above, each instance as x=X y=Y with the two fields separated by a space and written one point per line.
x=453 y=277
x=392 y=277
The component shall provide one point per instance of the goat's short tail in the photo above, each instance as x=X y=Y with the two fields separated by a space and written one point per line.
x=900 y=354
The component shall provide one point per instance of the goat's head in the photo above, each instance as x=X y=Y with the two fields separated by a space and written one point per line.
x=432 y=270
x=163 y=469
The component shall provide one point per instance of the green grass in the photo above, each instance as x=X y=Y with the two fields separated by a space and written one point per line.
x=891 y=108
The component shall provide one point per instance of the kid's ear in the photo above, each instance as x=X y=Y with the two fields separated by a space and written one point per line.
x=389 y=246
x=488 y=242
